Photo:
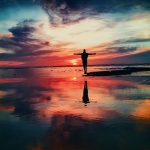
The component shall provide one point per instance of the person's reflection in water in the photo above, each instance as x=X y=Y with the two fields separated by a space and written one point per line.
x=85 y=98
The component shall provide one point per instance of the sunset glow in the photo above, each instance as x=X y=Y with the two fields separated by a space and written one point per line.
x=74 y=74
x=51 y=39
x=74 y=62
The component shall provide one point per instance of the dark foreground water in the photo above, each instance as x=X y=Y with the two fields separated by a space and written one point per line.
x=58 y=109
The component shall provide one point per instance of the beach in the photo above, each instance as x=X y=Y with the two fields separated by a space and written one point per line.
x=57 y=108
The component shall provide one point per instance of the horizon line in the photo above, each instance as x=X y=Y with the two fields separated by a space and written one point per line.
x=28 y=67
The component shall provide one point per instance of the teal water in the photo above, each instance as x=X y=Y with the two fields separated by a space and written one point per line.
x=59 y=109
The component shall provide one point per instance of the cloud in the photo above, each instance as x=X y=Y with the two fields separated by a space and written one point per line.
x=23 y=29
x=138 y=40
x=104 y=22
x=10 y=3
x=118 y=50
x=131 y=40
x=22 y=45
x=139 y=58
x=5 y=35
x=66 y=11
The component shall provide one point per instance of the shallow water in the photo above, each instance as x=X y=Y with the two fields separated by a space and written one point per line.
x=59 y=109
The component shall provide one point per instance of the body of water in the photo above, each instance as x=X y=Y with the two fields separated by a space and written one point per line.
x=56 y=108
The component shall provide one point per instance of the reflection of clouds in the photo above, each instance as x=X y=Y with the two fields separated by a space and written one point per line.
x=7 y=108
x=10 y=80
x=72 y=109
x=132 y=93
x=22 y=94
x=142 y=110
x=37 y=147
x=71 y=133
x=2 y=93
x=106 y=91
x=35 y=95
x=57 y=102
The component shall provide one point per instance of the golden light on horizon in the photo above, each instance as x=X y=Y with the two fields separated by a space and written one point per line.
x=95 y=35
x=74 y=62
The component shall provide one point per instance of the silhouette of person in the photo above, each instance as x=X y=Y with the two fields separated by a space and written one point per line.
x=85 y=97
x=84 y=57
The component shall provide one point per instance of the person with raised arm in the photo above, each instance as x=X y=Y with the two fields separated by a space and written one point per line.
x=84 y=57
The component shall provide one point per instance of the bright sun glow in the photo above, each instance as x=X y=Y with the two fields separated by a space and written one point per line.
x=73 y=62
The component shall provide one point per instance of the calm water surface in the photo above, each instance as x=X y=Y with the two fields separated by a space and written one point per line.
x=58 y=109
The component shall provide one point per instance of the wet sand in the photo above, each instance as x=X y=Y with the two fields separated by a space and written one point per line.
x=58 y=108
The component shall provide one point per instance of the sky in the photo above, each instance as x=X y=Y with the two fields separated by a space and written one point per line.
x=49 y=32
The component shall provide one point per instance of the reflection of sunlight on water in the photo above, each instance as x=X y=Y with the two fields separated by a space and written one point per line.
x=7 y=108
x=92 y=112
x=11 y=80
x=106 y=94
x=55 y=91
x=55 y=100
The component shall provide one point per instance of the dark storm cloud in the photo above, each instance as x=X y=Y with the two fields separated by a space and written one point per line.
x=22 y=44
x=66 y=11
x=23 y=29
x=66 y=5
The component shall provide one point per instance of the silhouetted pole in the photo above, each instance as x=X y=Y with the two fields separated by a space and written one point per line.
x=84 y=57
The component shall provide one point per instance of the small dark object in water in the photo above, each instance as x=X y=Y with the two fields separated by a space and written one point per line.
x=124 y=71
